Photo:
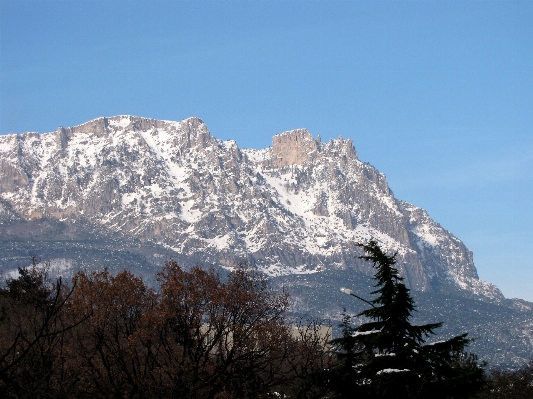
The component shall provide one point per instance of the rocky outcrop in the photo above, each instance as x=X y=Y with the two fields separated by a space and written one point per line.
x=294 y=147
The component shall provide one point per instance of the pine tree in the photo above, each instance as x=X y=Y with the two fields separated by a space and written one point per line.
x=387 y=357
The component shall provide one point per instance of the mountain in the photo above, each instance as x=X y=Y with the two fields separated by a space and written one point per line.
x=131 y=192
x=297 y=207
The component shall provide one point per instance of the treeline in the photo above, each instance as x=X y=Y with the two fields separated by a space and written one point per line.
x=197 y=335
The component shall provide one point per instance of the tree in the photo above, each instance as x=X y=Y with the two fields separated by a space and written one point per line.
x=221 y=337
x=33 y=321
x=111 y=354
x=197 y=336
x=387 y=357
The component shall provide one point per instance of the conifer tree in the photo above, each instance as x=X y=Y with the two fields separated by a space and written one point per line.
x=387 y=357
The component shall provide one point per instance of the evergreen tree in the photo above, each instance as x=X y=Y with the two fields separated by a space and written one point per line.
x=387 y=357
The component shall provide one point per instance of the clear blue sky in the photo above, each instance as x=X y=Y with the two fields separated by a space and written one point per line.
x=438 y=95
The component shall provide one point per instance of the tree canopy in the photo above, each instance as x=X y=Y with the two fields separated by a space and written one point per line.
x=388 y=357
x=196 y=335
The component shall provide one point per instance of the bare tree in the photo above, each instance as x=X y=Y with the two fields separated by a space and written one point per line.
x=32 y=326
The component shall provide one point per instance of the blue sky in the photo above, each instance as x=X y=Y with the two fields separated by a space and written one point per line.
x=438 y=95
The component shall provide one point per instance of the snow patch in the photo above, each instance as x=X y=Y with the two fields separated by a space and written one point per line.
x=386 y=371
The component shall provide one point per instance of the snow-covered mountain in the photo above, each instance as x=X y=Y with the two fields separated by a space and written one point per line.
x=297 y=207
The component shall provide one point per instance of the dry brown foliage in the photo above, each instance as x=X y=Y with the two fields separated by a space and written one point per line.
x=197 y=336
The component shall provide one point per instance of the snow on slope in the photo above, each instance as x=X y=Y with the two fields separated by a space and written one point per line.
x=297 y=207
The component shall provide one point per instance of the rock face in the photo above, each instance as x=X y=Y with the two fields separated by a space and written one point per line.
x=297 y=207
x=295 y=147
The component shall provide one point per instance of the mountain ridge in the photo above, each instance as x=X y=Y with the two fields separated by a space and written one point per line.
x=157 y=180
